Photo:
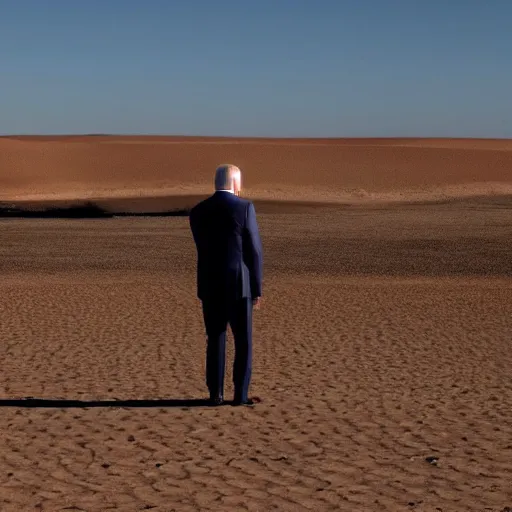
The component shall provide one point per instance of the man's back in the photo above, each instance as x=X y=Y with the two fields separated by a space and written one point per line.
x=229 y=252
x=229 y=274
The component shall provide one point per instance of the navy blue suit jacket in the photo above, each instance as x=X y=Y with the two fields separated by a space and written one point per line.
x=229 y=251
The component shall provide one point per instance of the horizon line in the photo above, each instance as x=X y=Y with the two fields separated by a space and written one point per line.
x=241 y=137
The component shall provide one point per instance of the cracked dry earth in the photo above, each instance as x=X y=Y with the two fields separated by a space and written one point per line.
x=385 y=339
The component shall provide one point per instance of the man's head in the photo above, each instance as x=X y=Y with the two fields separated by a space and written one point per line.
x=228 y=177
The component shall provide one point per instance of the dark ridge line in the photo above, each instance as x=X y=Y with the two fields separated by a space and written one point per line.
x=86 y=211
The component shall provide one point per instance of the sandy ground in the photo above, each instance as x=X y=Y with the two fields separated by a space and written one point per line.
x=385 y=339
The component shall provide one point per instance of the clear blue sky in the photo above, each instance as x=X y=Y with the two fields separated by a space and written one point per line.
x=257 y=67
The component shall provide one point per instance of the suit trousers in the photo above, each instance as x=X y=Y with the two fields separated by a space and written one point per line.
x=218 y=314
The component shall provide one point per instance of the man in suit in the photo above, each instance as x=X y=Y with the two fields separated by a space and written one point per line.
x=229 y=279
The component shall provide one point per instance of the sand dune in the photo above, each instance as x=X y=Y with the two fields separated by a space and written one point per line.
x=333 y=170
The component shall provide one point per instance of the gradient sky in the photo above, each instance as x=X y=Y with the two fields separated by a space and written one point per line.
x=257 y=68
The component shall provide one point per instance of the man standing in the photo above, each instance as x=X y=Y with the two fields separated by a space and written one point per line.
x=229 y=279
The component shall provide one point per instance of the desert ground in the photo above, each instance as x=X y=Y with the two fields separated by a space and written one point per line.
x=382 y=352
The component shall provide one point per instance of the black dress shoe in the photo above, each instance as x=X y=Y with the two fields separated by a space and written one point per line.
x=217 y=400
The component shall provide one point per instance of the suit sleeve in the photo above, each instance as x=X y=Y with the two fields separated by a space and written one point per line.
x=253 y=251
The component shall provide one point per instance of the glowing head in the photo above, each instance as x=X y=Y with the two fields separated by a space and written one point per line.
x=228 y=177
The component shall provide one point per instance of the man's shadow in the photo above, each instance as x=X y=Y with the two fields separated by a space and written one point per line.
x=30 y=402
